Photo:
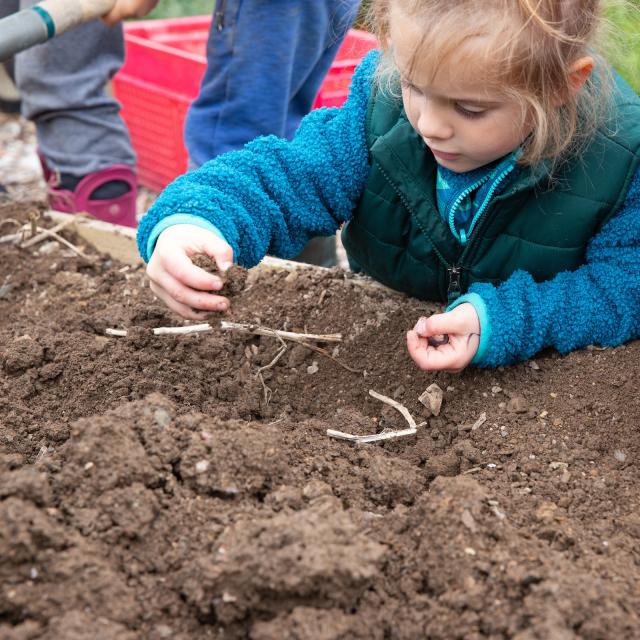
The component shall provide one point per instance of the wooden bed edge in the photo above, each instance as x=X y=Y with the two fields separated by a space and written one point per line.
x=120 y=243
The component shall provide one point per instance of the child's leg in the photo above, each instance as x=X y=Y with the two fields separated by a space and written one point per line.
x=63 y=87
x=266 y=61
x=79 y=130
x=9 y=98
x=326 y=26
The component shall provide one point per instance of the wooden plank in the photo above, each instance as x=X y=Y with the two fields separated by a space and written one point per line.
x=120 y=243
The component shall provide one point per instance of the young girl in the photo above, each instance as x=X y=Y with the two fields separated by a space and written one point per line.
x=486 y=158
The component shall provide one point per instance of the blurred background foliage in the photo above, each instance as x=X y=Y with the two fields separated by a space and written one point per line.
x=623 y=36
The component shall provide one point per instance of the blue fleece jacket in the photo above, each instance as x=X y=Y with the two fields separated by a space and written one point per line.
x=273 y=195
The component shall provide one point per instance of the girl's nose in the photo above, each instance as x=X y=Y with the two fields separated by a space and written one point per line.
x=432 y=124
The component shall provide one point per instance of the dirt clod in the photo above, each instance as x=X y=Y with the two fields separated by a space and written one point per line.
x=234 y=278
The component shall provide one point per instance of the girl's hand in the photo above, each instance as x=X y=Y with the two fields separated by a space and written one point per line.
x=183 y=287
x=461 y=326
x=129 y=9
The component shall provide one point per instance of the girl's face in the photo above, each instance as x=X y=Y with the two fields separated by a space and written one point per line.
x=464 y=123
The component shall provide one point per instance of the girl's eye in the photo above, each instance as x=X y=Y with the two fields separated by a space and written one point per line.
x=467 y=113
x=407 y=85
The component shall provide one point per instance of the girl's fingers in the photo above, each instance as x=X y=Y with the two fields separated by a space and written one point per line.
x=180 y=309
x=221 y=252
x=443 y=323
x=198 y=300
x=452 y=356
x=180 y=267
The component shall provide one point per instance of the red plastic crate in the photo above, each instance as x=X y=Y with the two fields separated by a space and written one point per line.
x=164 y=64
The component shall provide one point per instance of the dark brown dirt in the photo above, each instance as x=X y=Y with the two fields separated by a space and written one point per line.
x=234 y=279
x=153 y=487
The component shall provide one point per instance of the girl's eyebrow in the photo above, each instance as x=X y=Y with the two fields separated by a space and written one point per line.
x=475 y=101
x=483 y=102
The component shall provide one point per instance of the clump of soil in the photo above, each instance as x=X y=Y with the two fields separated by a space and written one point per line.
x=234 y=279
x=184 y=487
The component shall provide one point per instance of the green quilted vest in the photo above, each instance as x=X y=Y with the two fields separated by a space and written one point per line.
x=541 y=226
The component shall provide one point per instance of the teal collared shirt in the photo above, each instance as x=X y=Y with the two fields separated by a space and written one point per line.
x=462 y=198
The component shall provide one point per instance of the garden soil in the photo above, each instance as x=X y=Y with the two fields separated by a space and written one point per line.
x=184 y=487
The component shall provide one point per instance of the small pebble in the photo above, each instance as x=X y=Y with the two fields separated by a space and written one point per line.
x=162 y=418
x=517 y=404
x=313 y=368
x=202 y=466
x=620 y=456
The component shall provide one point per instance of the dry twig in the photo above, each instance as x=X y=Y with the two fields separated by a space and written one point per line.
x=12 y=221
x=52 y=234
x=273 y=362
x=45 y=233
x=233 y=326
x=259 y=330
x=12 y=237
x=324 y=352
x=340 y=435
x=162 y=331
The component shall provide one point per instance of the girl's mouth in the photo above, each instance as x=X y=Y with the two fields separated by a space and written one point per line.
x=444 y=156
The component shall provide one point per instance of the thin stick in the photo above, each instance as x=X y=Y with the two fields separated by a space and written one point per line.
x=174 y=331
x=286 y=335
x=13 y=221
x=267 y=391
x=340 y=435
x=12 y=237
x=118 y=333
x=162 y=331
x=66 y=243
x=246 y=328
x=44 y=234
x=324 y=352
x=273 y=362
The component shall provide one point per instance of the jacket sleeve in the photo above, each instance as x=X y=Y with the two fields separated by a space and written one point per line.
x=274 y=194
x=599 y=303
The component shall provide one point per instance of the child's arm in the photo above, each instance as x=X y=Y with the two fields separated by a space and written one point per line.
x=273 y=195
x=599 y=303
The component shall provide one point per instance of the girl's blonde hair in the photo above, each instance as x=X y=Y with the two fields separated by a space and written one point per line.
x=526 y=48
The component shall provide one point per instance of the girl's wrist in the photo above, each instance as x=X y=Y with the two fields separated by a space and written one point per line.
x=483 y=318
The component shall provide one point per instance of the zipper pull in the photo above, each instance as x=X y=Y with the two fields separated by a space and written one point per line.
x=218 y=16
x=454 y=290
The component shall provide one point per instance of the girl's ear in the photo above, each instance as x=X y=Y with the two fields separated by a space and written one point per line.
x=579 y=71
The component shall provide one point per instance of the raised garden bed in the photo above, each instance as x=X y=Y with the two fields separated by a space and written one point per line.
x=165 y=487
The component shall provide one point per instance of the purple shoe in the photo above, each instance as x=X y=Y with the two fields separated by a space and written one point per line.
x=118 y=210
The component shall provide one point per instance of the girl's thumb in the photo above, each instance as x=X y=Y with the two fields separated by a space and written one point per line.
x=421 y=327
x=435 y=325
x=223 y=255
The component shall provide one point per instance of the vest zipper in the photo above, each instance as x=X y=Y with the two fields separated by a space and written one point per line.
x=462 y=237
x=485 y=205
x=454 y=272
x=454 y=289
x=218 y=15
